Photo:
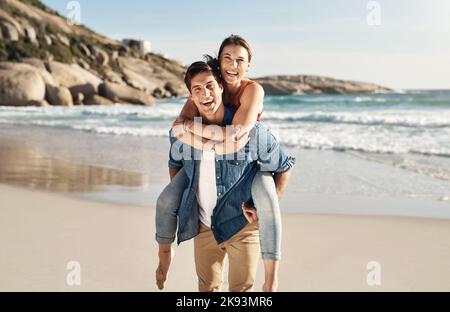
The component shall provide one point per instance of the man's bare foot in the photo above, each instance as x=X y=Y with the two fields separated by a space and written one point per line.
x=165 y=258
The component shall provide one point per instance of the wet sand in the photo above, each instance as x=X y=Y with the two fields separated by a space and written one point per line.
x=24 y=166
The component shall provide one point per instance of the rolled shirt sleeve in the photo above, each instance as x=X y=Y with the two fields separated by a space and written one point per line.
x=175 y=152
x=271 y=156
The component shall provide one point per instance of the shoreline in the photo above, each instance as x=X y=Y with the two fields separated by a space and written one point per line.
x=95 y=167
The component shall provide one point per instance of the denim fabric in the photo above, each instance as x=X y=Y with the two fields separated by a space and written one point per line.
x=235 y=174
x=265 y=198
x=167 y=208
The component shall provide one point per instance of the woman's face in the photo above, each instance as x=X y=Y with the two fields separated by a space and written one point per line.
x=234 y=63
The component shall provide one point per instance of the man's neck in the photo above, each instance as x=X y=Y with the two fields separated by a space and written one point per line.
x=217 y=118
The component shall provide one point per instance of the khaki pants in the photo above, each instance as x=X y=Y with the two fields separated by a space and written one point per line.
x=243 y=256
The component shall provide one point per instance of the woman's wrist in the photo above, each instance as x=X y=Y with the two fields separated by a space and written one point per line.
x=187 y=124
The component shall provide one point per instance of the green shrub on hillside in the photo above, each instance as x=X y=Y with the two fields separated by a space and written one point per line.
x=20 y=49
x=60 y=52
x=3 y=52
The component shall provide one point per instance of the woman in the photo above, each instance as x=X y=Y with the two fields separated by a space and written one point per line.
x=246 y=97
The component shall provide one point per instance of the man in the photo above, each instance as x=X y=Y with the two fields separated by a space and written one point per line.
x=211 y=205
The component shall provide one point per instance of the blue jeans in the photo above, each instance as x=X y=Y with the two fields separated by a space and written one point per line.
x=264 y=196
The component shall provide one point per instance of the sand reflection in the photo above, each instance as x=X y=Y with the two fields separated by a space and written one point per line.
x=23 y=166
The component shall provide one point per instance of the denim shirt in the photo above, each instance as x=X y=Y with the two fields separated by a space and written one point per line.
x=234 y=172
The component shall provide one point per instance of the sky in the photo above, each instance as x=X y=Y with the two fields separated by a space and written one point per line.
x=403 y=44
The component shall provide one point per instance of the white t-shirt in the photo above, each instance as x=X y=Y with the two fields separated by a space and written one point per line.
x=207 y=189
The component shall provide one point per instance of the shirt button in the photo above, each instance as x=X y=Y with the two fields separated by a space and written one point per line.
x=237 y=163
x=220 y=194
x=218 y=178
x=212 y=226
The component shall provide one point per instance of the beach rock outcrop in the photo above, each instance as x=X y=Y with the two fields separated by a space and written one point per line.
x=96 y=99
x=75 y=78
x=74 y=58
x=118 y=93
x=307 y=84
x=58 y=96
x=20 y=85
x=100 y=56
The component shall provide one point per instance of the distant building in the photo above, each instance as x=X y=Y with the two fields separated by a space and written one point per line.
x=144 y=46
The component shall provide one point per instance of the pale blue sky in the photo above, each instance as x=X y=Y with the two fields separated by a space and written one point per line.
x=410 y=49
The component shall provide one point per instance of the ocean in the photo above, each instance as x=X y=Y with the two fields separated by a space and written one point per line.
x=394 y=145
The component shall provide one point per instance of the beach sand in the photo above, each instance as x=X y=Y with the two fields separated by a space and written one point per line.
x=41 y=232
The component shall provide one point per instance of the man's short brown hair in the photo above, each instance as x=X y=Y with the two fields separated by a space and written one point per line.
x=201 y=67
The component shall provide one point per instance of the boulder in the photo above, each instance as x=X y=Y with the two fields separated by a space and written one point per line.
x=115 y=56
x=29 y=32
x=63 y=39
x=9 y=32
x=96 y=99
x=84 y=49
x=100 y=55
x=78 y=99
x=112 y=76
x=20 y=85
x=145 y=76
x=42 y=69
x=48 y=41
x=59 y=96
x=124 y=94
x=137 y=81
x=41 y=103
x=75 y=78
x=10 y=24
x=160 y=93
x=86 y=89
x=83 y=64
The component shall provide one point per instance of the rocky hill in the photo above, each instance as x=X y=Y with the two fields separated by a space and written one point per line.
x=45 y=60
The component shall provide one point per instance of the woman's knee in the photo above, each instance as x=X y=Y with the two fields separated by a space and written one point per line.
x=264 y=191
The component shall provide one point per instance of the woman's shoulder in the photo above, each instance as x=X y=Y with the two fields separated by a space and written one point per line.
x=252 y=87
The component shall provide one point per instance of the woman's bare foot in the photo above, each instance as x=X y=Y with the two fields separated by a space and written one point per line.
x=270 y=286
x=270 y=275
x=166 y=254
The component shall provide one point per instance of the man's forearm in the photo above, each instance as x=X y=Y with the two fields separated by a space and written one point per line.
x=215 y=133
x=196 y=141
x=281 y=182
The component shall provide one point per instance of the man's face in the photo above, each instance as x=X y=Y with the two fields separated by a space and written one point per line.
x=206 y=93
